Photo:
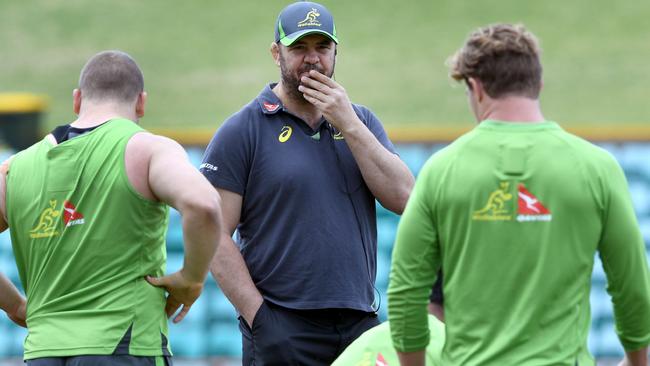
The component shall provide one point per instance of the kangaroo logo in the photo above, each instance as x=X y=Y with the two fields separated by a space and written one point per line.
x=46 y=226
x=310 y=19
x=285 y=133
x=495 y=209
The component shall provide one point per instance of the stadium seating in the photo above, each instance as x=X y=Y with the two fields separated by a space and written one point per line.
x=211 y=328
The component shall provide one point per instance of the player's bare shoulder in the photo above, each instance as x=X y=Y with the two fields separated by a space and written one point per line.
x=148 y=144
x=143 y=148
x=4 y=167
x=143 y=145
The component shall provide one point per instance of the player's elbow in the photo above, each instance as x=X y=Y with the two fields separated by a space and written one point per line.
x=397 y=203
x=211 y=210
x=402 y=200
x=206 y=210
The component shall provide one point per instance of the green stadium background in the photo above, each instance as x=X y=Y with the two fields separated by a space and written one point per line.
x=204 y=59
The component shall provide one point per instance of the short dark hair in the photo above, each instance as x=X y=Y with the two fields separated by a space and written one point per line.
x=504 y=57
x=111 y=75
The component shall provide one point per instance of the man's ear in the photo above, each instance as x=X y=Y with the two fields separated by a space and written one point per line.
x=476 y=87
x=275 y=53
x=140 y=103
x=76 y=101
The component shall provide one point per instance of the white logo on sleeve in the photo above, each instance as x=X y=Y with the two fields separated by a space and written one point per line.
x=208 y=166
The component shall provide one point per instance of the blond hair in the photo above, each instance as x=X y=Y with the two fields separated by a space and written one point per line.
x=503 y=57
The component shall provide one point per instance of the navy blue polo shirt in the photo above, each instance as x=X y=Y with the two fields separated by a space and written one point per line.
x=307 y=228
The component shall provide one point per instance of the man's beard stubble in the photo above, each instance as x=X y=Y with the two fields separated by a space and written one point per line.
x=291 y=81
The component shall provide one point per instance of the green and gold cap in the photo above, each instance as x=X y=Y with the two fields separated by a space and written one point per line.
x=302 y=18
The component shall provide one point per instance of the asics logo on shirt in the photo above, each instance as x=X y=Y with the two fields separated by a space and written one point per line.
x=285 y=133
x=208 y=166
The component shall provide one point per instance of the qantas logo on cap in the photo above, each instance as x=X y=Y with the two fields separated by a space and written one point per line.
x=530 y=208
x=70 y=215
x=271 y=107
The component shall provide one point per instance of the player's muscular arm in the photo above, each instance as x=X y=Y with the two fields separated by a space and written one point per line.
x=388 y=178
x=4 y=169
x=160 y=169
x=11 y=301
x=228 y=266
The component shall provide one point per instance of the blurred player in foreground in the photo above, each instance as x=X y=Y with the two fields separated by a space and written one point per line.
x=514 y=212
x=375 y=348
x=87 y=208
x=12 y=301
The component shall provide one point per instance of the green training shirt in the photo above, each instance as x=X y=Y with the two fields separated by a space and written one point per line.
x=514 y=213
x=84 y=239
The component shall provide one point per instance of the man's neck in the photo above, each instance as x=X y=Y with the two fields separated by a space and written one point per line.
x=95 y=114
x=513 y=109
x=298 y=106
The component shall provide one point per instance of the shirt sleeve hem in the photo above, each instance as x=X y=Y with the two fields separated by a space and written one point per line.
x=228 y=185
x=635 y=345
x=413 y=345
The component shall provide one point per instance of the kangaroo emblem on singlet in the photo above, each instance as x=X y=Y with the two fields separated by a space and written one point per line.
x=46 y=226
x=496 y=209
x=310 y=19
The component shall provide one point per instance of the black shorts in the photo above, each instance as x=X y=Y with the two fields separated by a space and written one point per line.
x=287 y=337
x=102 y=360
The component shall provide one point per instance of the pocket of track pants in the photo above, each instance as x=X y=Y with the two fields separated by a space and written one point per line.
x=259 y=317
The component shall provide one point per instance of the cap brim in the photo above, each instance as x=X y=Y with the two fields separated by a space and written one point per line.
x=288 y=40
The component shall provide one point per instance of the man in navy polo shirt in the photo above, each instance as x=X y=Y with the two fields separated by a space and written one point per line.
x=298 y=170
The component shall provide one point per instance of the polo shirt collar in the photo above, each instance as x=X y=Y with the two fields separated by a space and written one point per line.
x=268 y=101
x=270 y=104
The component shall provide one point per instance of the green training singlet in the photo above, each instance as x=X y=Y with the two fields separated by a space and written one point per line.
x=514 y=213
x=84 y=239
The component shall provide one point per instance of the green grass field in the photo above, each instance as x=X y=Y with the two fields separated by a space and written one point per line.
x=204 y=59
